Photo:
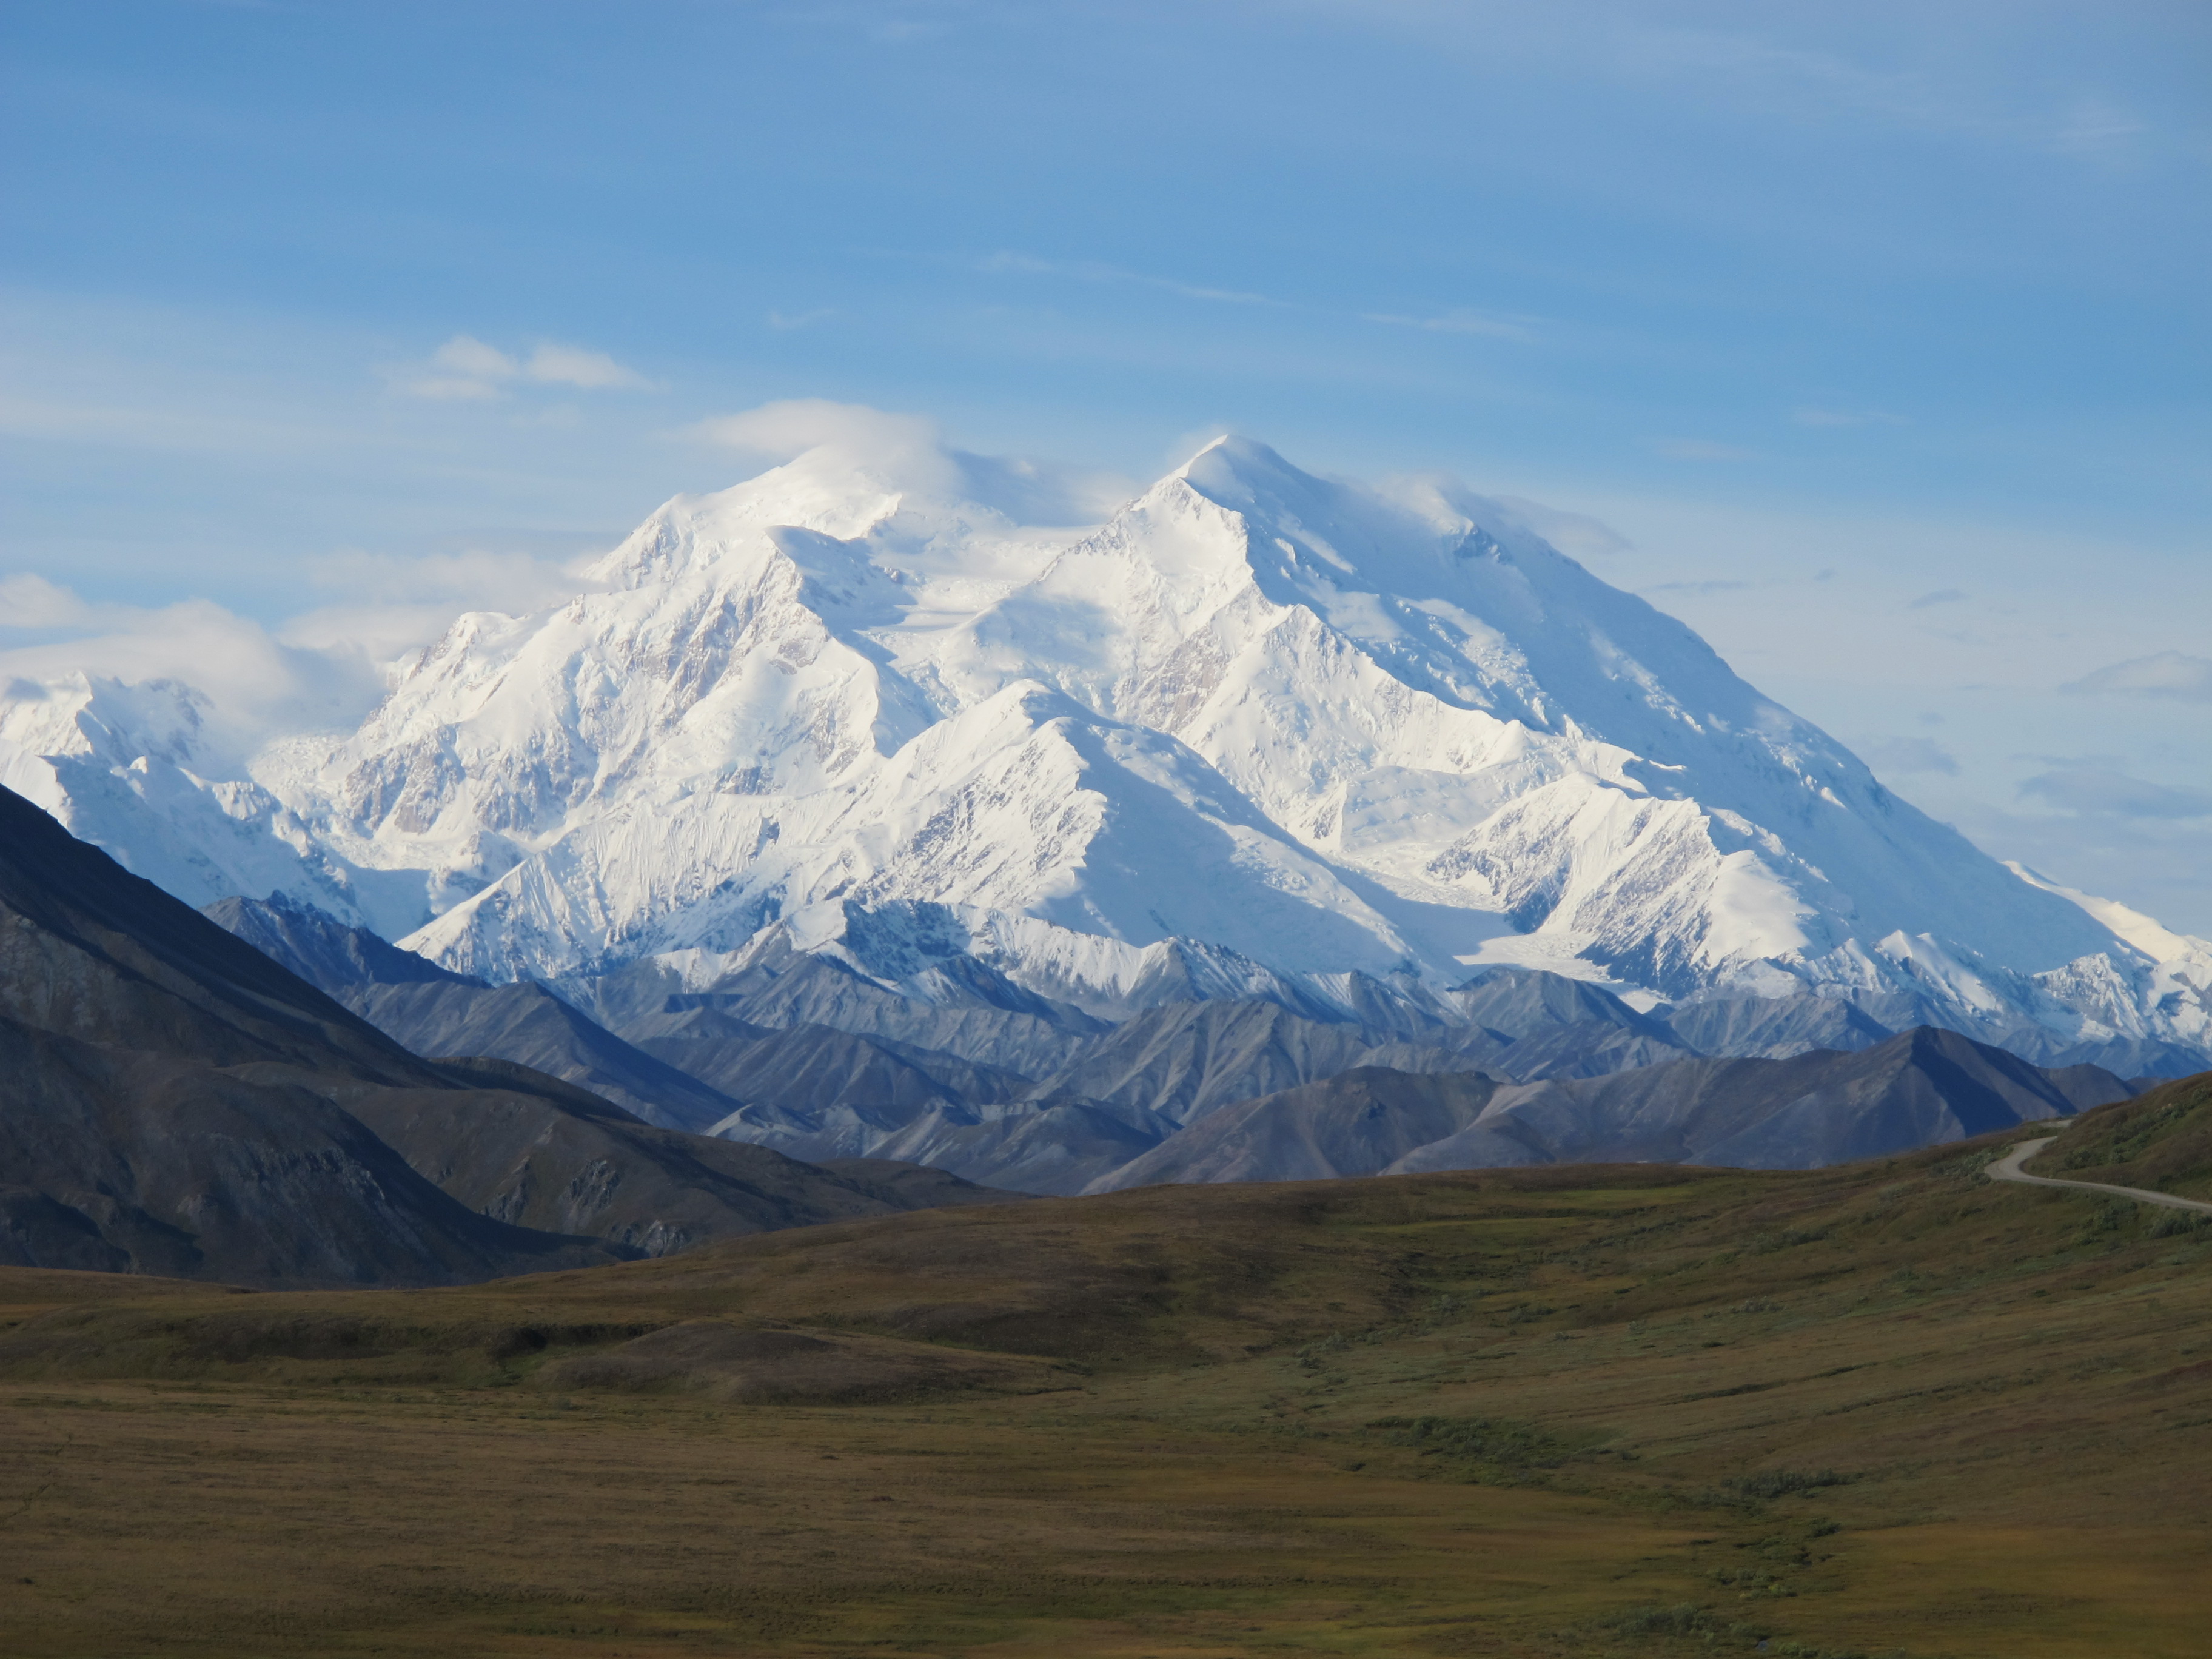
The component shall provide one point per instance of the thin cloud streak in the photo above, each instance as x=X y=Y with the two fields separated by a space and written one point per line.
x=2102 y=791
x=465 y=369
x=1093 y=270
x=1456 y=322
x=2163 y=674
x=1907 y=755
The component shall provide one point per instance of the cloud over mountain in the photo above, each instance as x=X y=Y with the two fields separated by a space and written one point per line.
x=2101 y=789
x=2163 y=674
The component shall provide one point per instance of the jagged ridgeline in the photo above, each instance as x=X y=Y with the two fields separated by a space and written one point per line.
x=175 y=1101
x=804 y=1052
x=847 y=814
x=1258 y=729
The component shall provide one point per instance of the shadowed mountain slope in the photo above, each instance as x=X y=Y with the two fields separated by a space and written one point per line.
x=95 y=953
x=1182 y=1062
x=711 y=1070
x=1185 y=1059
x=1925 y=1087
x=1353 y=1123
x=124 y=1159
x=541 y=1152
x=1774 y=1028
x=1922 y=1088
x=977 y=1016
x=431 y=1011
x=172 y=1099
x=134 y=1131
x=810 y=1068
x=1515 y=1066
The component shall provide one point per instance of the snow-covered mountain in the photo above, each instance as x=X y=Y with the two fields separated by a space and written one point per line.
x=1259 y=729
x=131 y=769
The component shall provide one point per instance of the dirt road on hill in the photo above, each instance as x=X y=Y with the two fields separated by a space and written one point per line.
x=2007 y=1169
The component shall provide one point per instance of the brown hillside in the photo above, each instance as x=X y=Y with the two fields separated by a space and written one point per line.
x=2161 y=1140
x=1890 y=1408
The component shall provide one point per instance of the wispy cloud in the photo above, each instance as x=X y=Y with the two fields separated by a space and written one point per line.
x=1695 y=588
x=260 y=684
x=1941 y=596
x=789 y=322
x=1940 y=97
x=2163 y=674
x=593 y=371
x=1927 y=80
x=910 y=452
x=2095 y=127
x=783 y=431
x=1457 y=322
x=2100 y=791
x=1764 y=73
x=1576 y=534
x=1093 y=270
x=465 y=368
x=1459 y=319
x=384 y=605
x=323 y=670
x=1897 y=755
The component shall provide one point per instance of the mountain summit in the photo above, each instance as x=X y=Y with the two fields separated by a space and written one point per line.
x=1300 y=729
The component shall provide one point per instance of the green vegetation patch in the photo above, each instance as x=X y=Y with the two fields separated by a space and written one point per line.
x=1484 y=1450
x=1716 y=1631
x=2161 y=1140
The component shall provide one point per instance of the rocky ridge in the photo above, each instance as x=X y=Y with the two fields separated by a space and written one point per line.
x=1261 y=736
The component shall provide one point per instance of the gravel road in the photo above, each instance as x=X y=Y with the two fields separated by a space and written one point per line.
x=2007 y=1169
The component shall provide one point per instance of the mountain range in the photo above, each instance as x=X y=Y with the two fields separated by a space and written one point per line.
x=844 y=813
x=1260 y=733
x=175 y=1101
x=1535 y=1068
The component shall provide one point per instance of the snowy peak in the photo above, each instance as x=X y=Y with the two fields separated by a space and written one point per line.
x=1404 y=709
x=82 y=716
x=1257 y=733
x=2157 y=943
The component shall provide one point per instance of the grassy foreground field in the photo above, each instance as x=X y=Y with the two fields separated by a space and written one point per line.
x=1891 y=1408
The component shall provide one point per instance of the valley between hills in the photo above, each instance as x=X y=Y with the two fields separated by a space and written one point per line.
x=1891 y=1407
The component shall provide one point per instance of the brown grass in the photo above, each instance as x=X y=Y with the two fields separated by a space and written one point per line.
x=2161 y=1140
x=1627 y=1412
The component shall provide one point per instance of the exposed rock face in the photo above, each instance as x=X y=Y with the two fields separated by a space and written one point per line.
x=534 y=1150
x=164 y=1104
x=1354 y=1123
x=1922 y=1088
x=432 y=1011
x=1515 y=1066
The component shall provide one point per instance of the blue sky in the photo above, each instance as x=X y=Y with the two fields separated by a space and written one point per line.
x=1875 y=334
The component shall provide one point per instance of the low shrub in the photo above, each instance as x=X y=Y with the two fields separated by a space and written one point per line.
x=1770 y=1484
x=1495 y=1442
x=1685 y=1618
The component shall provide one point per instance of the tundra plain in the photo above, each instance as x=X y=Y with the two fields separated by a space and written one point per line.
x=1886 y=1408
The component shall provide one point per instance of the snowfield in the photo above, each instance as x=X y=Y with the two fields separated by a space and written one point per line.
x=1307 y=739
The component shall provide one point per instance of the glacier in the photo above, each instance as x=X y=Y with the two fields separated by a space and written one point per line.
x=1337 y=745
